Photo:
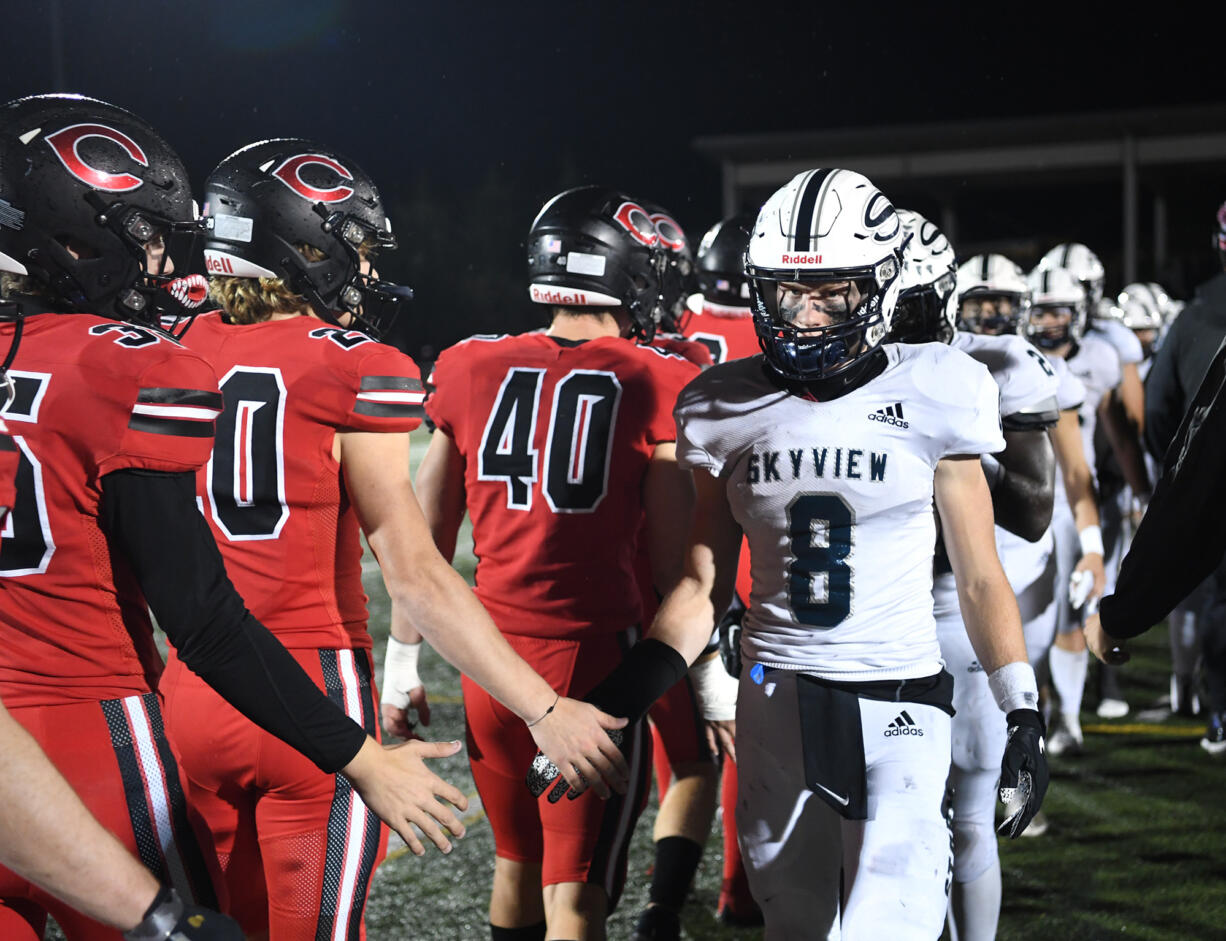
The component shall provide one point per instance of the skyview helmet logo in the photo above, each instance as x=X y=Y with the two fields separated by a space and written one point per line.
x=67 y=141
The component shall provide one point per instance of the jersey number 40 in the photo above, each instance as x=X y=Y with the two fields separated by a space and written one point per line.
x=577 y=447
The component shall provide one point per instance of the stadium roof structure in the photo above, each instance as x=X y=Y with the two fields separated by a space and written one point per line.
x=1016 y=152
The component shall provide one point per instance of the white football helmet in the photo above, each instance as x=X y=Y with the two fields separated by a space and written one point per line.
x=993 y=296
x=825 y=247
x=1083 y=264
x=1056 y=291
x=1141 y=308
x=927 y=306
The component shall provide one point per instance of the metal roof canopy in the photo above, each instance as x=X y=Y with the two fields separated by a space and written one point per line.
x=983 y=151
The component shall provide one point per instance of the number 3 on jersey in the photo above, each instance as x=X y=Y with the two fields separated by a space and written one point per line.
x=819 y=578
x=577 y=447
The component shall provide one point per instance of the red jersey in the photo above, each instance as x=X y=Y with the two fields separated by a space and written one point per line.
x=556 y=436
x=697 y=353
x=8 y=472
x=728 y=332
x=92 y=396
x=272 y=491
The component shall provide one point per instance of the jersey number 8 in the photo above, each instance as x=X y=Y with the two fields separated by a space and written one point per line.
x=819 y=578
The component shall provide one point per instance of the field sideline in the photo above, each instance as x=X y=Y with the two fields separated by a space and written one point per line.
x=1136 y=848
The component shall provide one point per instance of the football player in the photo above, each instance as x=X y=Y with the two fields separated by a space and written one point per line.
x=112 y=418
x=560 y=446
x=314 y=445
x=1021 y=481
x=1118 y=456
x=829 y=453
x=723 y=322
x=687 y=776
x=1057 y=327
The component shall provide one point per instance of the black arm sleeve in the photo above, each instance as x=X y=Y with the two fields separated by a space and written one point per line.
x=1182 y=537
x=151 y=520
x=1023 y=496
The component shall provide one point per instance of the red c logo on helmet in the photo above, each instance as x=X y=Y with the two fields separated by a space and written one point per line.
x=290 y=173
x=634 y=219
x=670 y=233
x=66 y=141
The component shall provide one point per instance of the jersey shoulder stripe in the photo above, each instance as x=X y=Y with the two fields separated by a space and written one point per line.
x=165 y=411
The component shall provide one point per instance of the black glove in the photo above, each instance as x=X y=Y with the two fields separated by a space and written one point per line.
x=168 y=917
x=544 y=772
x=1023 y=771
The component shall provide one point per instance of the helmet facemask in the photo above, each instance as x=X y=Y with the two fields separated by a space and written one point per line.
x=813 y=325
x=339 y=280
x=922 y=313
x=1054 y=335
x=993 y=313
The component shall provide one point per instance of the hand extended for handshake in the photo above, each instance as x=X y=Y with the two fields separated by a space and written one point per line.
x=400 y=788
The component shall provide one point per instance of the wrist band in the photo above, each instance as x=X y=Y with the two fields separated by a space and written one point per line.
x=1013 y=687
x=1091 y=540
x=556 y=699
x=400 y=672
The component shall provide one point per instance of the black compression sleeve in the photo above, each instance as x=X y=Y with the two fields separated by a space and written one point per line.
x=648 y=672
x=151 y=520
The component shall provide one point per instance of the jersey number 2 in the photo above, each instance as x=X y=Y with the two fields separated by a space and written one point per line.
x=819 y=578
x=577 y=448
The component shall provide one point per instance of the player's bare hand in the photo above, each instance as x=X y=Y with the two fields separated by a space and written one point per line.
x=574 y=737
x=396 y=784
x=397 y=720
x=1093 y=563
x=721 y=736
x=1103 y=645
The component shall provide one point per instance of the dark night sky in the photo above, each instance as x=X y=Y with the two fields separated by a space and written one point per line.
x=470 y=115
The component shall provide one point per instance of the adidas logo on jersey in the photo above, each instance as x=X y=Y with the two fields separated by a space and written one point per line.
x=903 y=725
x=891 y=415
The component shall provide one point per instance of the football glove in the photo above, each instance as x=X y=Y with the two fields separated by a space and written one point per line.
x=1023 y=771
x=544 y=772
x=169 y=918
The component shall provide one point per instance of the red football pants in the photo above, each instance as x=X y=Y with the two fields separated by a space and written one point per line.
x=115 y=755
x=295 y=848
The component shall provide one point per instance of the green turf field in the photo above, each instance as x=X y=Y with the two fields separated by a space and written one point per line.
x=1136 y=846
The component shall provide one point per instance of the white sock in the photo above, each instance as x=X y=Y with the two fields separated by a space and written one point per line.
x=1068 y=676
x=974 y=907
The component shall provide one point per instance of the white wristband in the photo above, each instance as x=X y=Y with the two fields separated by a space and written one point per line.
x=1091 y=540
x=399 y=672
x=714 y=688
x=1014 y=687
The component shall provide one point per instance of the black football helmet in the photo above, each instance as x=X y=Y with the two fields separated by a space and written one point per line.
x=265 y=201
x=721 y=262
x=596 y=247
x=95 y=208
x=680 y=277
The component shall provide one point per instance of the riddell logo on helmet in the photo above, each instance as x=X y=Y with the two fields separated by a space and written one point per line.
x=802 y=259
x=564 y=298
x=217 y=264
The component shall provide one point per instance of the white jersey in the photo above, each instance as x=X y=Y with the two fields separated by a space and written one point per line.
x=1097 y=365
x=1124 y=340
x=1028 y=384
x=1070 y=393
x=836 y=501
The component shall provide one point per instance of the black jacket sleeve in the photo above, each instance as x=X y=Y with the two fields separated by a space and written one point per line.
x=1183 y=535
x=151 y=520
x=1165 y=397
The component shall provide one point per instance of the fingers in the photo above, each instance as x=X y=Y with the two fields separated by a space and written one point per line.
x=424 y=749
x=395 y=721
x=728 y=741
x=610 y=722
x=420 y=704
